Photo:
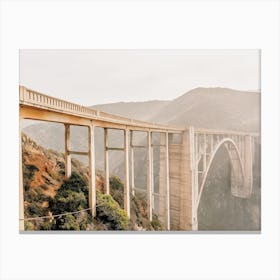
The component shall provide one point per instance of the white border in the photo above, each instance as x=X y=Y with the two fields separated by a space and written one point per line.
x=155 y=24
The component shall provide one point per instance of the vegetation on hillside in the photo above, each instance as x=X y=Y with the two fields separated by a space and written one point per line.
x=47 y=193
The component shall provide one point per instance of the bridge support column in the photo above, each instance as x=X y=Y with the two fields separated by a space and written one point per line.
x=21 y=189
x=67 y=154
x=126 y=174
x=132 y=164
x=91 y=187
x=149 y=176
x=175 y=183
x=106 y=162
x=188 y=183
x=152 y=178
x=164 y=205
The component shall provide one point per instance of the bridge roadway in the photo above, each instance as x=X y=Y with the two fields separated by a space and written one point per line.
x=184 y=163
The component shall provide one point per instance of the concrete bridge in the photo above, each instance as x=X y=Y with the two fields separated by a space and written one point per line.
x=186 y=155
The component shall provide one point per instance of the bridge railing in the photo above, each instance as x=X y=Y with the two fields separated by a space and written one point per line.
x=40 y=100
x=32 y=97
x=223 y=132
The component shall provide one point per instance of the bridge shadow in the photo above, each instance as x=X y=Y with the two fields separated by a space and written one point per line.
x=218 y=208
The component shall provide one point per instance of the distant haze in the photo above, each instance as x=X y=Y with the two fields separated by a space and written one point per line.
x=91 y=77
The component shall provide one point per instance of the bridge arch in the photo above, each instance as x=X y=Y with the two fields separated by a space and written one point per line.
x=231 y=153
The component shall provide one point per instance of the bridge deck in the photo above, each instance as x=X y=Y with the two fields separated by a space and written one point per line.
x=39 y=101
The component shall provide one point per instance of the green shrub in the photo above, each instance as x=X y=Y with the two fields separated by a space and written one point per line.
x=72 y=196
x=155 y=223
x=46 y=225
x=28 y=225
x=55 y=175
x=75 y=183
x=67 y=222
x=29 y=171
x=116 y=183
x=117 y=190
x=109 y=212
x=68 y=201
x=35 y=210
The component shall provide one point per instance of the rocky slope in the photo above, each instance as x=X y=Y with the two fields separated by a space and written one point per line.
x=47 y=193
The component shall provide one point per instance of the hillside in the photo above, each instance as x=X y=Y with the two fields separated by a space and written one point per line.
x=215 y=108
x=137 y=110
x=47 y=193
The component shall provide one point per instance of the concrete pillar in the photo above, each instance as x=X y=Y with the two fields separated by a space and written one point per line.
x=106 y=163
x=188 y=183
x=164 y=183
x=149 y=176
x=126 y=174
x=194 y=153
x=132 y=164
x=183 y=183
x=67 y=154
x=152 y=179
x=91 y=154
x=175 y=184
x=167 y=181
x=21 y=189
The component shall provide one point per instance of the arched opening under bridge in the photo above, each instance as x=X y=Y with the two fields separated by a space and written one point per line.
x=218 y=208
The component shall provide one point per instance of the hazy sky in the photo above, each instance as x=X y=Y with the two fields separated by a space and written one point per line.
x=104 y=76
